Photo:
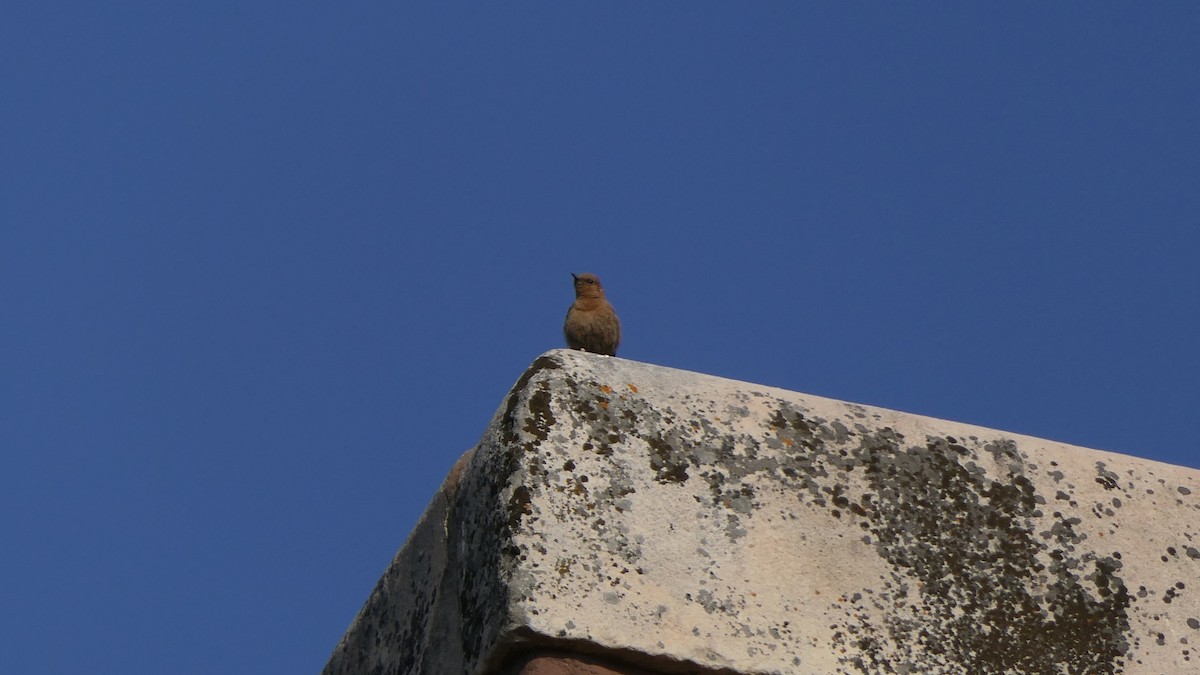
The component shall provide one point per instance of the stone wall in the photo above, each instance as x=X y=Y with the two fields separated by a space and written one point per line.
x=619 y=517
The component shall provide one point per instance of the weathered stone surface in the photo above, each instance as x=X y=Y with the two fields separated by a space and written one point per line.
x=682 y=522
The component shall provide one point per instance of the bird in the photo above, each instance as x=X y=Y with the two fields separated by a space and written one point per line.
x=591 y=323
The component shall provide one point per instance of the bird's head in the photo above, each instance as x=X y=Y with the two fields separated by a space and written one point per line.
x=587 y=286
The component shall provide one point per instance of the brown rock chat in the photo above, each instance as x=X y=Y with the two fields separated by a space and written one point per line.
x=591 y=323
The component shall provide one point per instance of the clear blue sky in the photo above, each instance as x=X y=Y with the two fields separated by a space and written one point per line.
x=268 y=268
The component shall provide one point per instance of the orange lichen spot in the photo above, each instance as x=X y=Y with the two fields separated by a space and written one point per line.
x=631 y=387
x=788 y=442
x=606 y=389
x=604 y=403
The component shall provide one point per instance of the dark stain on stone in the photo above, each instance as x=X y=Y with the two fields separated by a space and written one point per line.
x=1106 y=478
x=667 y=464
x=509 y=425
x=541 y=417
x=519 y=505
x=972 y=544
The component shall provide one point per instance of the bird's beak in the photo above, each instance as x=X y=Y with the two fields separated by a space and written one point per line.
x=574 y=276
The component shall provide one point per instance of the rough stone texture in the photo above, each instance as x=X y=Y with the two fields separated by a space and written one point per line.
x=678 y=522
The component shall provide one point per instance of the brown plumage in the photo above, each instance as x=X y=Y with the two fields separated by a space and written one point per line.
x=591 y=323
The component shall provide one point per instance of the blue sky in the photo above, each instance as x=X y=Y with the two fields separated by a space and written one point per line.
x=268 y=268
